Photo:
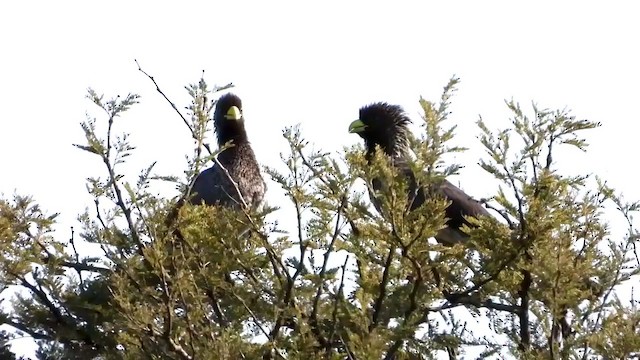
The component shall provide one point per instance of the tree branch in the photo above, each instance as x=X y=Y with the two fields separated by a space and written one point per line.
x=383 y=289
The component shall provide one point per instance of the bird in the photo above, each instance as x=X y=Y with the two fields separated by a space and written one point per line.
x=234 y=180
x=236 y=169
x=385 y=125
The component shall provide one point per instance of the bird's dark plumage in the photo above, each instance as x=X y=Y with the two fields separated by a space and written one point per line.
x=386 y=126
x=213 y=186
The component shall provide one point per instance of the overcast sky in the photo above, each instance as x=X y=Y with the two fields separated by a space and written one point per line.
x=293 y=62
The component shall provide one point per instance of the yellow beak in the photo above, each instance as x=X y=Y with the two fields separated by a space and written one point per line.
x=233 y=113
x=357 y=126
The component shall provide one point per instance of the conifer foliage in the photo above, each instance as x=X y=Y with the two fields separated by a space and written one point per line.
x=544 y=278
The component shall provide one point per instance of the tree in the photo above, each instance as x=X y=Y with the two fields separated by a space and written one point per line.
x=348 y=282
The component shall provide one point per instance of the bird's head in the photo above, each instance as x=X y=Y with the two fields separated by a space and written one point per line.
x=228 y=119
x=384 y=125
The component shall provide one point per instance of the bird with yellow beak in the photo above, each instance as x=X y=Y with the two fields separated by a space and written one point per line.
x=213 y=186
x=385 y=125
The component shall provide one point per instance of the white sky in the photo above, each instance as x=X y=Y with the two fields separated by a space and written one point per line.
x=311 y=64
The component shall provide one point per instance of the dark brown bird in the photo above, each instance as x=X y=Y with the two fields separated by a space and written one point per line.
x=385 y=125
x=213 y=186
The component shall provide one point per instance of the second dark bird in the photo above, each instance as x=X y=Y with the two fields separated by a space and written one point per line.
x=213 y=186
x=386 y=126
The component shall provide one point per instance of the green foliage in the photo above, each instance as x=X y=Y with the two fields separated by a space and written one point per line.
x=346 y=282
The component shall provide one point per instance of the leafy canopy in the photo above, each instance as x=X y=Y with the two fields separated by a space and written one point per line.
x=540 y=280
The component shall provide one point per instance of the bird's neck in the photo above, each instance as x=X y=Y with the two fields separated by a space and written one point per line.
x=236 y=152
x=236 y=139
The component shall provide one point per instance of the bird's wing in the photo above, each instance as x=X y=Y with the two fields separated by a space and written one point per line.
x=212 y=186
x=461 y=205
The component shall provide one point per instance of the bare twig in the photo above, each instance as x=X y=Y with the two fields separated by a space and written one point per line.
x=321 y=275
x=175 y=108
x=233 y=182
x=254 y=317
x=502 y=213
x=120 y=202
x=78 y=266
x=77 y=256
x=474 y=300
x=338 y=299
x=177 y=348
x=377 y=307
x=193 y=134
x=25 y=329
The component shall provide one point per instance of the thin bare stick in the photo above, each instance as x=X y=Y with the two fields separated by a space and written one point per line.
x=166 y=98
x=235 y=184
